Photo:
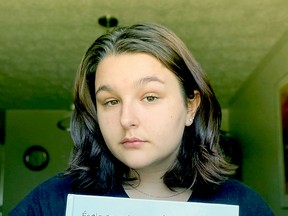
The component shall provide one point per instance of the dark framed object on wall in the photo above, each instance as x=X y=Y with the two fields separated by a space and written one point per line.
x=36 y=158
x=284 y=120
x=282 y=103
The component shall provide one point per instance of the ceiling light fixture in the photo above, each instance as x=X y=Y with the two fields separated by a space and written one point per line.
x=64 y=123
x=108 y=21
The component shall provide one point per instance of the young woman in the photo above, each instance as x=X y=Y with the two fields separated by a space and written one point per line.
x=145 y=125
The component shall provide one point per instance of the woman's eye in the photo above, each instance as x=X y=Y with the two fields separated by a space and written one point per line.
x=111 y=103
x=151 y=98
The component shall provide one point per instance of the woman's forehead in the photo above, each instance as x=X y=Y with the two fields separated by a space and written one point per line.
x=138 y=69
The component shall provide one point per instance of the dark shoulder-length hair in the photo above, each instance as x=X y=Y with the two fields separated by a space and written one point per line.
x=199 y=165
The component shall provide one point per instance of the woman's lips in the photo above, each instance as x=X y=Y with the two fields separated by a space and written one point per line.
x=132 y=142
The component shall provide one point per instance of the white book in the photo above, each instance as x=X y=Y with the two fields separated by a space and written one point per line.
x=83 y=205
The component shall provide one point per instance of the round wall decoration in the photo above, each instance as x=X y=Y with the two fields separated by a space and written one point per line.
x=36 y=158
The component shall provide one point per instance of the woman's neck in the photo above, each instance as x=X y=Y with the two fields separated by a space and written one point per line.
x=151 y=186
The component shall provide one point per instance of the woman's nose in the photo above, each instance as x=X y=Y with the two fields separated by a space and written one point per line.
x=128 y=118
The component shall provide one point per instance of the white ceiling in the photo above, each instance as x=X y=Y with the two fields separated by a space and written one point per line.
x=42 y=42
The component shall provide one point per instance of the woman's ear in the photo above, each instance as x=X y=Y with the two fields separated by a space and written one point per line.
x=192 y=107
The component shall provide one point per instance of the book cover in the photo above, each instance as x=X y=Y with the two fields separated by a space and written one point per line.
x=83 y=205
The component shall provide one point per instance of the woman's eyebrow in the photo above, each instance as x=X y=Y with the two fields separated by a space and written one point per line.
x=103 y=88
x=141 y=82
x=146 y=80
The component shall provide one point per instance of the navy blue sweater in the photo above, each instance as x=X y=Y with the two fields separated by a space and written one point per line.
x=50 y=198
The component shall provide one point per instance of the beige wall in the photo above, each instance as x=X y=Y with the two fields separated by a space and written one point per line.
x=254 y=119
x=23 y=129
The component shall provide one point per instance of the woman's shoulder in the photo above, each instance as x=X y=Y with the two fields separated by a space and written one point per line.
x=49 y=195
x=56 y=186
x=61 y=183
x=233 y=192
x=235 y=189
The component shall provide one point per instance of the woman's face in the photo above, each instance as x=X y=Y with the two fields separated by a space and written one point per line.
x=141 y=110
